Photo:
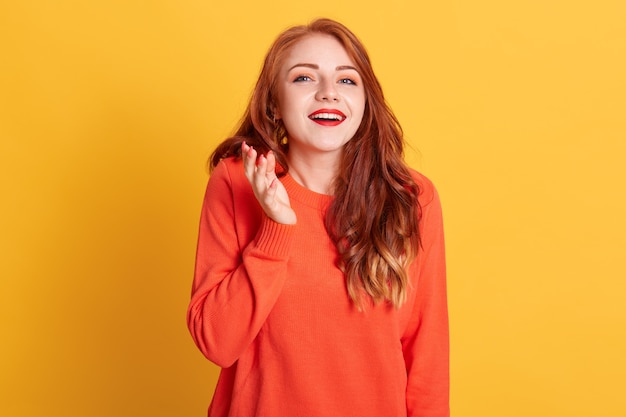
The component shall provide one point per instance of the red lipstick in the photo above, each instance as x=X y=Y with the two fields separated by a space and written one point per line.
x=327 y=117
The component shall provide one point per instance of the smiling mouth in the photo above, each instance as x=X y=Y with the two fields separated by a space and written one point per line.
x=327 y=117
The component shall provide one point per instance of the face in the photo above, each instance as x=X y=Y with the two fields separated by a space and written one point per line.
x=321 y=98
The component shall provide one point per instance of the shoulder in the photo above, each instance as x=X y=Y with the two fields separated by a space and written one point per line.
x=229 y=170
x=427 y=190
x=228 y=179
x=227 y=166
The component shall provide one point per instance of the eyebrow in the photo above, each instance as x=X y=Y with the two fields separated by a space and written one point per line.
x=316 y=67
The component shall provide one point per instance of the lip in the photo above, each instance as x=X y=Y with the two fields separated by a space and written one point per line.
x=327 y=122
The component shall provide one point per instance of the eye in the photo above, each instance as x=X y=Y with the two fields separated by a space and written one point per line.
x=301 y=78
x=347 y=81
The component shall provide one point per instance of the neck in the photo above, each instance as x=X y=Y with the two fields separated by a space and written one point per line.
x=316 y=174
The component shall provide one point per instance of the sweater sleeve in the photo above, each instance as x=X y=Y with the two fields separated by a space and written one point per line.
x=240 y=268
x=425 y=342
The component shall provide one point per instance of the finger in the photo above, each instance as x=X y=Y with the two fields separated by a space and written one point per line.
x=271 y=165
x=249 y=161
x=244 y=149
x=260 y=182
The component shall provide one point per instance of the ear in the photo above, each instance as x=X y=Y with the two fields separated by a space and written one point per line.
x=273 y=112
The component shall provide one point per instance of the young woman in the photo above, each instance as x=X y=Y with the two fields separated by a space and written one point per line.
x=320 y=275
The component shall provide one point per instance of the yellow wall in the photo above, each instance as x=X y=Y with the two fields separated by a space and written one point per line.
x=109 y=109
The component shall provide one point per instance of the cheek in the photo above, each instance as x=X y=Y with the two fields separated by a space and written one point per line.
x=281 y=103
x=360 y=116
x=293 y=108
x=359 y=108
x=357 y=103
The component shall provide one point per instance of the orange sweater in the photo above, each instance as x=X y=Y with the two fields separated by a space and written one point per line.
x=271 y=308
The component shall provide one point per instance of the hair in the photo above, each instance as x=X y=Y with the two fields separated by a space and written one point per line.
x=374 y=215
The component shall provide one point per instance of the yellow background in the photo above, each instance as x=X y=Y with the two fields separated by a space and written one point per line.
x=109 y=109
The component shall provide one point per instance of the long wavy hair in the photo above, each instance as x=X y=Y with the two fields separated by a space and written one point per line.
x=374 y=215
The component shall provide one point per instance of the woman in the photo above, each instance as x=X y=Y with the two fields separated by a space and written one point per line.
x=320 y=277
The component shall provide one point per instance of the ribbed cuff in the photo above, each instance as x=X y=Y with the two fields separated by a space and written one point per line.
x=274 y=238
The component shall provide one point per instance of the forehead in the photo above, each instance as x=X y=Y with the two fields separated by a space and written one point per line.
x=318 y=49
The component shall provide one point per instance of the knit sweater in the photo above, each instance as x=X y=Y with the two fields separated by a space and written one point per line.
x=269 y=305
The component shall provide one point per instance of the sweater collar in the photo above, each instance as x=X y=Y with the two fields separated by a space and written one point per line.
x=304 y=195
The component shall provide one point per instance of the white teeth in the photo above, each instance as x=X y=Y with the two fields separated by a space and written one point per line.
x=329 y=116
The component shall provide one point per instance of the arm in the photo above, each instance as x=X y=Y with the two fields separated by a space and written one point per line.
x=425 y=342
x=240 y=268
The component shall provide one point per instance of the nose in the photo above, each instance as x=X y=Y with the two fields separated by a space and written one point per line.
x=327 y=91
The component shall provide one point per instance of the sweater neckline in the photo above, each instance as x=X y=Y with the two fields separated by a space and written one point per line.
x=304 y=195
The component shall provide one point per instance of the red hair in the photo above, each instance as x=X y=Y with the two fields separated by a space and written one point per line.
x=374 y=214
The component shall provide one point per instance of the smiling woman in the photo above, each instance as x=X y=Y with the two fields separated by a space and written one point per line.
x=321 y=100
x=319 y=285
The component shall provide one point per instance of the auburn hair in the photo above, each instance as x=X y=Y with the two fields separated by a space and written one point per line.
x=374 y=215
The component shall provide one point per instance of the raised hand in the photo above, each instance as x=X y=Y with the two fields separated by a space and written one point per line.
x=269 y=191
